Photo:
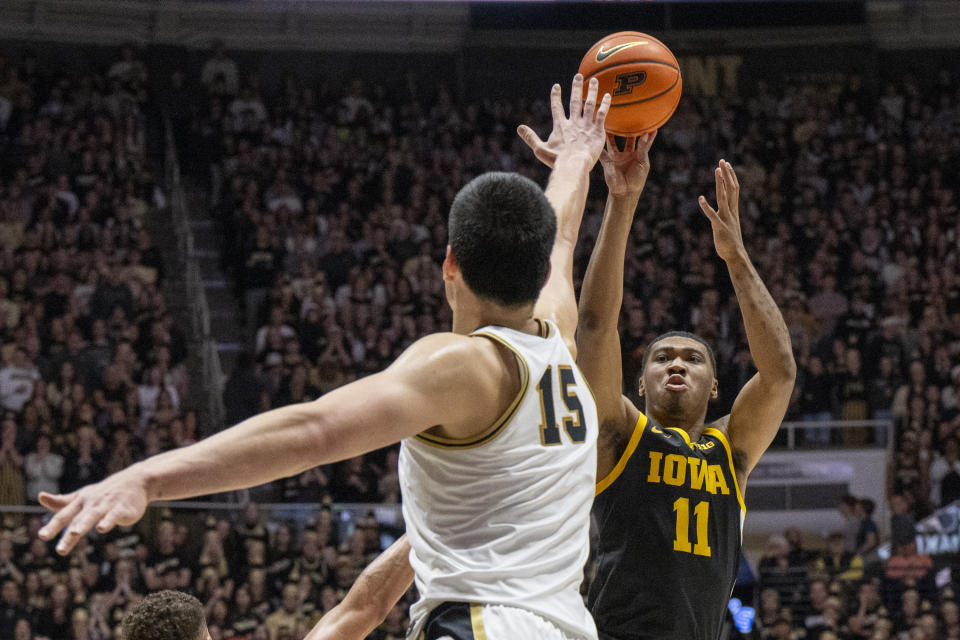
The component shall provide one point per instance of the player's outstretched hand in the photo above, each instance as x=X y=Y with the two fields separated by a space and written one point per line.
x=582 y=132
x=725 y=219
x=626 y=171
x=120 y=499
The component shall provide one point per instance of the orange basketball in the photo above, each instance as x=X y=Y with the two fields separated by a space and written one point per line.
x=642 y=77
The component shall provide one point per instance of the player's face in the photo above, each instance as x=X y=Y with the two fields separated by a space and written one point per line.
x=678 y=380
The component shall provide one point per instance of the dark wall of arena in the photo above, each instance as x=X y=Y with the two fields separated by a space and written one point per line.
x=480 y=70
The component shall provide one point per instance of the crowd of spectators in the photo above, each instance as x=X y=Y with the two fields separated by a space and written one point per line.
x=92 y=374
x=843 y=591
x=258 y=578
x=91 y=364
x=332 y=204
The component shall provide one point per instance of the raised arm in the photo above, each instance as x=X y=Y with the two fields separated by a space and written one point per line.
x=370 y=598
x=760 y=406
x=601 y=296
x=426 y=386
x=572 y=148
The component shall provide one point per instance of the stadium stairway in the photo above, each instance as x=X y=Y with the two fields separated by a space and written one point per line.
x=226 y=319
x=163 y=234
x=225 y=331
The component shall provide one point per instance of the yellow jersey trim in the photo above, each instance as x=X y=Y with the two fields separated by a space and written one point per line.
x=722 y=437
x=476 y=622
x=622 y=462
x=683 y=434
x=493 y=430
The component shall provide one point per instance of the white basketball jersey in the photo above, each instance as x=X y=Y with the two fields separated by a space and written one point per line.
x=504 y=517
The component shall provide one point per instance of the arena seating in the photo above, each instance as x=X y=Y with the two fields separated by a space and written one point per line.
x=332 y=207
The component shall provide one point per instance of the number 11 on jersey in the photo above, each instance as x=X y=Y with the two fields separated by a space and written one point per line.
x=701 y=513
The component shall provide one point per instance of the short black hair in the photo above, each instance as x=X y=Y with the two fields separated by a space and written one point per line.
x=165 y=615
x=680 y=334
x=502 y=229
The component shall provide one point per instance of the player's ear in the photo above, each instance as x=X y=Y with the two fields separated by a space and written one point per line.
x=640 y=389
x=715 y=390
x=450 y=267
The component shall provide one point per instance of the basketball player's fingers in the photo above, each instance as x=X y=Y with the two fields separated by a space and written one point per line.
x=557 y=131
x=88 y=517
x=640 y=150
x=556 y=106
x=109 y=521
x=709 y=211
x=529 y=136
x=65 y=513
x=590 y=104
x=728 y=197
x=576 y=97
x=733 y=193
x=611 y=145
x=730 y=176
x=647 y=140
x=55 y=501
x=601 y=115
x=721 y=189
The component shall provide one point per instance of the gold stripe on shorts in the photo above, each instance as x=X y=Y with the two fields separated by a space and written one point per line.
x=476 y=622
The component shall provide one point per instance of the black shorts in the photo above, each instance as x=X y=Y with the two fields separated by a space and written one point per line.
x=454 y=621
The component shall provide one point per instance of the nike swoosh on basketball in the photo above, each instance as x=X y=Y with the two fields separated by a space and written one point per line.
x=603 y=55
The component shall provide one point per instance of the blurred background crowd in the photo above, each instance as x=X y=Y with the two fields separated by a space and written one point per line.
x=332 y=201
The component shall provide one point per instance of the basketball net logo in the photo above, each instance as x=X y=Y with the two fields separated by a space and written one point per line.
x=627 y=81
x=603 y=55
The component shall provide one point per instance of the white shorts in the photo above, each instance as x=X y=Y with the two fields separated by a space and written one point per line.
x=472 y=621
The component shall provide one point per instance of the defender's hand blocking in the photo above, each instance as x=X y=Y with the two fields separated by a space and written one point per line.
x=626 y=171
x=120 y=499
x=582 y=132
x=725 y=219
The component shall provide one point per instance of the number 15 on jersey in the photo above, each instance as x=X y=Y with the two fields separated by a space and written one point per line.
x=573 y=425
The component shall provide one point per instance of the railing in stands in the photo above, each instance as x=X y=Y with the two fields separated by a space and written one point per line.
x=818 y=434
x=811 y=466
x=299 y=514
x=211 y=374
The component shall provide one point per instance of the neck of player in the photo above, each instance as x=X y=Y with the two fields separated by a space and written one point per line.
x=677 y=417
x=471 y=313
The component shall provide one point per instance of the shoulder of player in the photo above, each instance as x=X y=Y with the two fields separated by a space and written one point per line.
x=617 y=430
x=737 y=455
x=625 y=420
x=445 y=356
x=465 y=379
x=720 y=424
x=444 y=346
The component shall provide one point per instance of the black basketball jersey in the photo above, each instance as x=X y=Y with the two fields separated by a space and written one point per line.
x=669 y=520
